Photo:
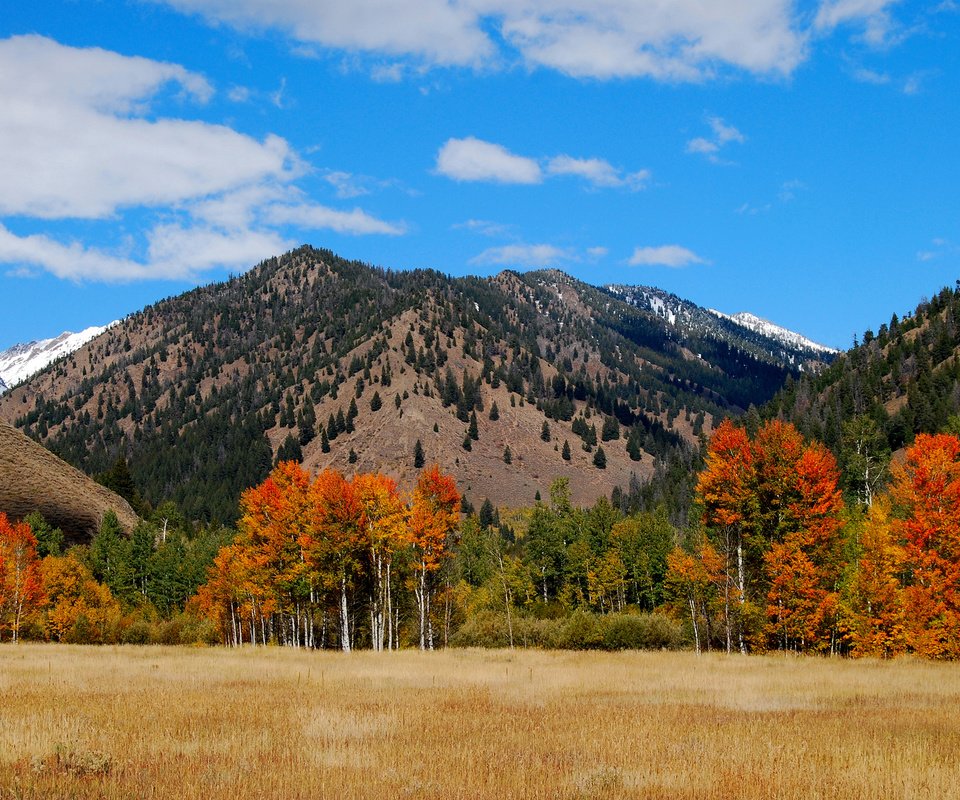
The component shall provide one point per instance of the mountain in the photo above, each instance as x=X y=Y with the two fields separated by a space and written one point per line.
x=508 y=382
x=34 y=479
x=773 y=331
x=765 y=340
x=19 y=362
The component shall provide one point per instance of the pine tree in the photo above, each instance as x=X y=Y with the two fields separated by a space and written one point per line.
x=375 y=402
x=473 y=431
x=600 y=459
x=545 y=431
x=494 y=412
x=467 y=443
x=507 y=455
x=566 y=450
x=418 y=457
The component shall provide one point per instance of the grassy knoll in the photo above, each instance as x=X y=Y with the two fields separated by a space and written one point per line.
x=84 y=722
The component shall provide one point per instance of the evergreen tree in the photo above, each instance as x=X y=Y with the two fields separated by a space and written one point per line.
x=545 y=431
x=507 y=455
x=494 y=412
x=375 y=402
x=473 y=431
x=600 y=459
x=418 y=456
x=565 y=453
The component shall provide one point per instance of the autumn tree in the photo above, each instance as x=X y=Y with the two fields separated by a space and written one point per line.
x=726 y=494
x=434 y=516
x=926 y=491
x=384 y=528
x=696 y=579
x=21 y=588
x=874 y=610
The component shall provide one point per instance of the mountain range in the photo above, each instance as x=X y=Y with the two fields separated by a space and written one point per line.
x=508 y=382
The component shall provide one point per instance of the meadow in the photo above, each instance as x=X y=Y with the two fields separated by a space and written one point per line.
x=112 y=722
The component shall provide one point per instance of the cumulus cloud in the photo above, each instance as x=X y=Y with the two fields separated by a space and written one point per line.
x=667 y=255
x=523 y=255
x=78 y=140
x=683 y=40
x=473 y=159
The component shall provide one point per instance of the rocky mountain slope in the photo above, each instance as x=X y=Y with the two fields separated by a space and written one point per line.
x=507 y=382
x=34 y=479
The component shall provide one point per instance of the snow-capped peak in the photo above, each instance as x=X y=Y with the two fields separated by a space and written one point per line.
x=754 y=323
x=23 y=360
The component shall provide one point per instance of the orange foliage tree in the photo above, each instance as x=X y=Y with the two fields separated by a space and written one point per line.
x=384 y=528
x=21 y=588
x=773 y=510
x=926 y=491
x=875 y=616
x=696 y=580
x=78 y=608
x=305 y=546
x=434 y=516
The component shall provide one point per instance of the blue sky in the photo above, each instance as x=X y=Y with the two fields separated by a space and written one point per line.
x=795 y=159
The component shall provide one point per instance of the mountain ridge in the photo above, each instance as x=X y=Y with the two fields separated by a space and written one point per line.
x=337 y=363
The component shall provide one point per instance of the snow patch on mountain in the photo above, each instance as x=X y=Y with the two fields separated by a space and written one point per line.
x=770 y=329
x=23 y=360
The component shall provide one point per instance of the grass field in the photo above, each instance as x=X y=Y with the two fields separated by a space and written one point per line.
x=84 y=722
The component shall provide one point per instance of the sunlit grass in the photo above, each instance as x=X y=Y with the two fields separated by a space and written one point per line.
x=215 y=723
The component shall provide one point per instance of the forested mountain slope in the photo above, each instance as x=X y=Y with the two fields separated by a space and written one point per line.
x=896 y=383
x=508 y=382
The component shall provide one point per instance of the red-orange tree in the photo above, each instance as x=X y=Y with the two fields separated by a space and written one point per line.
x=21 y=586
x=926 y=491
x=772 y=509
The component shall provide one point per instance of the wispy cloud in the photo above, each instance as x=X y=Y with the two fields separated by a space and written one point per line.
x=666 y=255
x=722 y=134
x=524 y=255
x=473 y=159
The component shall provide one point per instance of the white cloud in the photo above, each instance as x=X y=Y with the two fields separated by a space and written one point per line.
x=684 y=40
x=174 y=252
x=723 y=134
x=345 y=184
x=473 y=159
x=597 y=172
x=873 y=15
x=71 y=145
x=597 y=253
x=667 y=255
x=485 y=227
x=523 y=255
x=79 y=140
x=315 y=216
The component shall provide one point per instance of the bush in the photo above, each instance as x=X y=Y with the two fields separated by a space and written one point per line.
x=581 y=630
x=137 y=633
x=640 y=632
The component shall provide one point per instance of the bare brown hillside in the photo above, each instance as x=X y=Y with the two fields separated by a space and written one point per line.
x=34 y=479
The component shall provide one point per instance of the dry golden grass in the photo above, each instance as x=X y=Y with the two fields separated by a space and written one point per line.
x=86 y=722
